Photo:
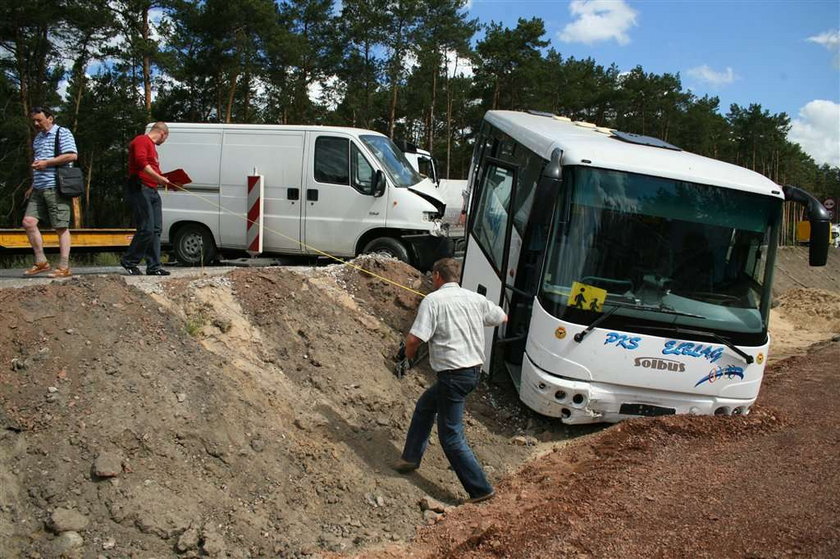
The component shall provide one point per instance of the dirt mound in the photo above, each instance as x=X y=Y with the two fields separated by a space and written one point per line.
x=815 y=309
x=253 y=414
x=803 y=317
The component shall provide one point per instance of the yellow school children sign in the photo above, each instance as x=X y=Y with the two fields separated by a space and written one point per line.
x=587 y=297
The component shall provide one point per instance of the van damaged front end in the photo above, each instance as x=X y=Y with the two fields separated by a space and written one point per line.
x=431 y=246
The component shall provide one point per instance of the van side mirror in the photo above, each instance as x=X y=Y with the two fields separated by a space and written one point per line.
x=378 y=183
x=820 y=221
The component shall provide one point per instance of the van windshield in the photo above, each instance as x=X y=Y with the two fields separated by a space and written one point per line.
x=392 y=160
x=671 y=252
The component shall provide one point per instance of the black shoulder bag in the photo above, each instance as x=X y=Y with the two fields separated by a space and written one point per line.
x=68 y=178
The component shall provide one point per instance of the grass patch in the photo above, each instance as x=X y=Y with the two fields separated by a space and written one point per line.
x=194 y=324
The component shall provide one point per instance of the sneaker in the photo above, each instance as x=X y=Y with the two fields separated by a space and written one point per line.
x=37 y=268
x=404 y=466
x=158 y=272
x=61 y=273
x=474 y=500
x=131 y=269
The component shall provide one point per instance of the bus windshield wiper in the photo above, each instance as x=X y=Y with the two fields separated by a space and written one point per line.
x=637 y=306
x=717 y=337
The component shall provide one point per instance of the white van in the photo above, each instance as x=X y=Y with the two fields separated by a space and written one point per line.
x=339 y=191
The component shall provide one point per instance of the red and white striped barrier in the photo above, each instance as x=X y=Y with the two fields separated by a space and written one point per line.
x=255 y=215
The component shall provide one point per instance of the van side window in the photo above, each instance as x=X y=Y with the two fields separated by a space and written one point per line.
x=362 y=171
x=332 y=163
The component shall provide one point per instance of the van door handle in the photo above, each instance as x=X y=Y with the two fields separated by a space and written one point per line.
x=293 y=193
x=311 y=195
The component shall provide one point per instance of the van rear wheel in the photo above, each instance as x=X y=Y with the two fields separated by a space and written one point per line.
x=194 y=245
x=390 y=246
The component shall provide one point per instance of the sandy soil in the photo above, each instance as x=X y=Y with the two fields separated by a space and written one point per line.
x=254 y=414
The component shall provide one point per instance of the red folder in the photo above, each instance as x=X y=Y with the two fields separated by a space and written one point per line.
x=179 y=177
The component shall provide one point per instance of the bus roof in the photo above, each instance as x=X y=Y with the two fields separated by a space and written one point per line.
x=585 y=144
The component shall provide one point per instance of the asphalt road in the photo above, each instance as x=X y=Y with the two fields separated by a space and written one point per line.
x=13 y=277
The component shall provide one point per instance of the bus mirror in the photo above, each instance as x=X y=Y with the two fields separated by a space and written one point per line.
x=820 y=221
x=818 y=244
x=378 y=183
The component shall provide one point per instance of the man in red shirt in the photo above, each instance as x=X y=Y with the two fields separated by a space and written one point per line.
x=144 y=178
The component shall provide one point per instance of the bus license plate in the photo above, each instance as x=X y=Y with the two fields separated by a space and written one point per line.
x=645 y=410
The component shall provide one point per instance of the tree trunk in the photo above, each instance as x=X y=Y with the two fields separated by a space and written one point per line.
x=449 y=116
x=81 y=64
x=147 y=64
x=246 y=103
x=23 y=80
x=365 y=117
x=393 y=110
x=231 y=95
x=430 y=136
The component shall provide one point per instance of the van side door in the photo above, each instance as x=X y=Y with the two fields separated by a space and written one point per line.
x=278 y=156
x=339 y=205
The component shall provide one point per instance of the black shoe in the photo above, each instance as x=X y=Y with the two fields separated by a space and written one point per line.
x=481 y=498
x=158 y=272
x=131 y=269
x=404 y=466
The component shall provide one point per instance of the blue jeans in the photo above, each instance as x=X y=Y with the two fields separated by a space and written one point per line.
x=445 y=399
x=148 y=216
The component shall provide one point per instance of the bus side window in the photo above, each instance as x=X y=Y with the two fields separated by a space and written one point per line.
x=493 y=212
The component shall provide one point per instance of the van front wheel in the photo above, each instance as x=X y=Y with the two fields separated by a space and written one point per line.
x=390 y=246
x=194 y=245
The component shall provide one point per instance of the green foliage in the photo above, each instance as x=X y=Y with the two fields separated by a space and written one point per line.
x=380 y=64
x=194 y=324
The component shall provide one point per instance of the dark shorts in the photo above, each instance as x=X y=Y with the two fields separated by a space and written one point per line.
x=49 y=206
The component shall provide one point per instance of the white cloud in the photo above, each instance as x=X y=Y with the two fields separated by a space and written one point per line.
x=707 y=76
x=458 y=67
x=831 y=41
x=817 y=131
x=599 y=20
x=327 y=92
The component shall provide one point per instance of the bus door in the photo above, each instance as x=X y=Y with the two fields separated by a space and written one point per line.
x=489 y=239
x=532 y=218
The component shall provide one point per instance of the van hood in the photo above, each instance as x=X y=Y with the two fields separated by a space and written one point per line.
x=426 y=190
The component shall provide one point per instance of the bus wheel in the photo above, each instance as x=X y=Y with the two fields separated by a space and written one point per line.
x=390 y=246
x=194 y=246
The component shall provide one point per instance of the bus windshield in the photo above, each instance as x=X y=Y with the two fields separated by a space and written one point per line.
x=666 y=252
x=399 y=170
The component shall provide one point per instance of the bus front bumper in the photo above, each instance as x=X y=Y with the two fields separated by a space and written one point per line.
x=577 y=402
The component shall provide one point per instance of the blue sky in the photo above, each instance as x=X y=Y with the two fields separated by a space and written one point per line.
x=782 y=54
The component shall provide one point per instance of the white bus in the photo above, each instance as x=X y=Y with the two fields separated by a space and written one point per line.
x=636 y=276
x=340 y=191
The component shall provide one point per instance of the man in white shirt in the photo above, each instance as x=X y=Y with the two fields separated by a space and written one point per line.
x=452 y=321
